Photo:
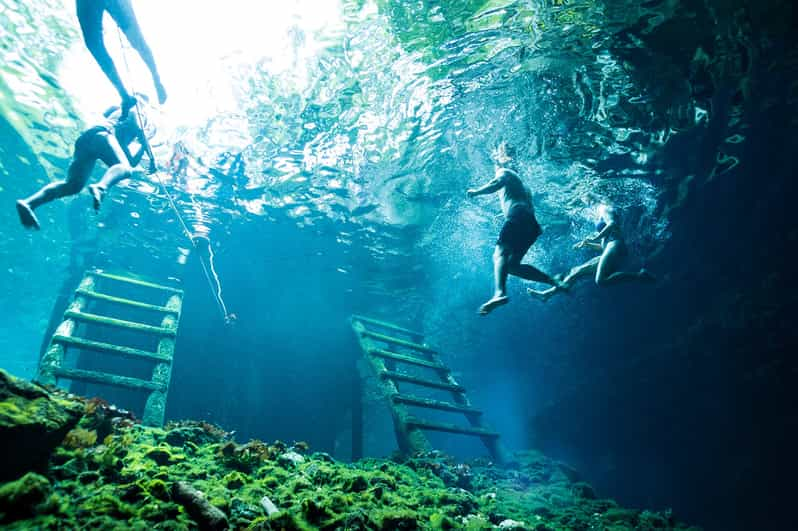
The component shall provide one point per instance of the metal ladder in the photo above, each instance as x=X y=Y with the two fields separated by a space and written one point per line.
x=384 y=351
x=51 y=365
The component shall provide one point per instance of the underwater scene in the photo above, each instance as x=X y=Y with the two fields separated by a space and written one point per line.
x=398 y=264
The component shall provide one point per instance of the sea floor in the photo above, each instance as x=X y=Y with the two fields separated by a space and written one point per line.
x=72 y=463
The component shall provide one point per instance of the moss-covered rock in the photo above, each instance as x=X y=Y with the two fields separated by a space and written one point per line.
x=21 y=497
x=32 y=423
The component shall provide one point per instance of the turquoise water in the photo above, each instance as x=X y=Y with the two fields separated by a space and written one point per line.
x=361 y=124
x=330 y=146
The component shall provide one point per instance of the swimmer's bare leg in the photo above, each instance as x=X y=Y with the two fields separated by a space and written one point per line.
x=501 y=259
x=113 y=175
x=79 y=171
x=584 y=270
x=606 y=274
x=545 y=294
x=122 y=13
x=528 y=272
x=644 y=275
x=90 y=19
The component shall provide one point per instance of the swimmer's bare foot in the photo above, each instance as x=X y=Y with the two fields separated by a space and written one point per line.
x=542 y=295
x=495 y=302
x=161 y=92
x=26 y=215
x=646 y=276
x=97 y=194
x=128 y=103
x=559 y=282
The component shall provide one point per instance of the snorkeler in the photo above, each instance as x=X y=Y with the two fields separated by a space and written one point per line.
x=607 y=239
x=108 y=142
x=90 y=16
x=519 y=232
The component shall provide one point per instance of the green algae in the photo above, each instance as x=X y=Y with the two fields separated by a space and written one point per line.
x=20 y=498
x=128 y=481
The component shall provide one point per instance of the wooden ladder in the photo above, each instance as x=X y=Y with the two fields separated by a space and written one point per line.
x=51 y=365
x=384 y=351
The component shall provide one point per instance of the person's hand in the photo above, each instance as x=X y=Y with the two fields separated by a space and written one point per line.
x=580 y=245
x=471 y=193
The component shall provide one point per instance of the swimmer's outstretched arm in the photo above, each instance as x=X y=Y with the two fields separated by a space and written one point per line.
x=494 y=185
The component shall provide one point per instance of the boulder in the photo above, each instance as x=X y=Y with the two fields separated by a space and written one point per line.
x=32 y=423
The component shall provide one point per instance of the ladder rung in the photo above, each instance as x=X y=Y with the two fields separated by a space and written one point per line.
x=451 y=428
x=126 y=302
x=434 y=404
x=421 y=381
x=98 y=346
x=135 y=282
x=408 y=359
x=106 y=379
x=119 y=323
x=383 y=324
x=400 y=342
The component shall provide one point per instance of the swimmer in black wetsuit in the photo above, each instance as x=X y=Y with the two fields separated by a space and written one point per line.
x=607 y=239
x=108 y=142
x=519 y=232
x=90 y=17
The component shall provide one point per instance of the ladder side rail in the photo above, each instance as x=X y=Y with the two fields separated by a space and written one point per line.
x=53 y=358
x=410 y=439
x=155 y=406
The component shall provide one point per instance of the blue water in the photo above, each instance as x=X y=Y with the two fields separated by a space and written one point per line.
x=329 y=152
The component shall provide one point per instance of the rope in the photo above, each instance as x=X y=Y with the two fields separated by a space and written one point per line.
x=216 y=292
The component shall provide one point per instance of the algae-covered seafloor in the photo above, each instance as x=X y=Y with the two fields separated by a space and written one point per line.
x=72 y=463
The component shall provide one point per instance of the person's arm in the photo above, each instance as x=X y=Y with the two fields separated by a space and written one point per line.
x=494 y=185
x=611 y=220
x=590 y=245
x=604 y=232
x=133 y=160
x=144 y=149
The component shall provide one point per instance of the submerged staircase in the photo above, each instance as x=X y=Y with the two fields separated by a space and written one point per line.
x=83 y=315
x=387 y=346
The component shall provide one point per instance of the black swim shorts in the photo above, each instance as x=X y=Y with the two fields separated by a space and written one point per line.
x=519 y=231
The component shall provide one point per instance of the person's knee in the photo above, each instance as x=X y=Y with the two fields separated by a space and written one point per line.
x=513 y=265
x=123 y=169
x=93 y=39
x=66 y=188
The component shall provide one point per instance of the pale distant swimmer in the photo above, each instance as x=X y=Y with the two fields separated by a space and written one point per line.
x=108 y=142
x=520 y=230
x=608 y=240
x=90 y=17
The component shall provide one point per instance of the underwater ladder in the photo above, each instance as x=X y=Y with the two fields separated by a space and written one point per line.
x=83 y=313
x=383 y=352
